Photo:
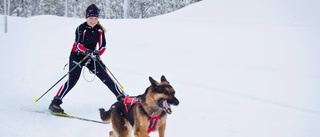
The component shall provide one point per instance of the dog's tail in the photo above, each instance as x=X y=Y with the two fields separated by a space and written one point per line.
x=105 y=115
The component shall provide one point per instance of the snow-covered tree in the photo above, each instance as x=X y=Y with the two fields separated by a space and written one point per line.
x=111 y=9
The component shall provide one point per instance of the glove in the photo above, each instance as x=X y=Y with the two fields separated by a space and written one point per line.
x=96 y=53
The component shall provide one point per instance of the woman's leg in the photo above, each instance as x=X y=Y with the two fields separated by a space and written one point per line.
x=73 y=78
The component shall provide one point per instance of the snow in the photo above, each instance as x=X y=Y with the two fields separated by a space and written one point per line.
x=240 y=68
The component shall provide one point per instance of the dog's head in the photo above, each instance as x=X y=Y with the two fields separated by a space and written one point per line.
x=163 y=94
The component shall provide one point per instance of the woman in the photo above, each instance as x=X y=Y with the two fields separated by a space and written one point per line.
x=88 y=34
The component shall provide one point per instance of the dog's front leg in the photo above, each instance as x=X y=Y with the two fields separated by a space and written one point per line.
x=161 y=130
x=141 y=134
x=140 y=130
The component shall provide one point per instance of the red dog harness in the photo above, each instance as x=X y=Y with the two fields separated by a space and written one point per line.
x=130 y=101
x=153 y=123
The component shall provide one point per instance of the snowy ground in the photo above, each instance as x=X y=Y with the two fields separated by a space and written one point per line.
x=240 y=69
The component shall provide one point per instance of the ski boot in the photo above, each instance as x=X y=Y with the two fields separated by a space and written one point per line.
x=55 y=105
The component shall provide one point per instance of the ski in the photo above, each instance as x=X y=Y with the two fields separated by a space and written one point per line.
x=65 y=116
x=75 y=117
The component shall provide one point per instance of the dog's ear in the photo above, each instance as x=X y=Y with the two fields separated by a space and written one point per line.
x=153 y=82
x=164 y=80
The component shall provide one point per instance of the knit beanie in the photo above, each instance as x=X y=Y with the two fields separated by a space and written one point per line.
x=92 y=11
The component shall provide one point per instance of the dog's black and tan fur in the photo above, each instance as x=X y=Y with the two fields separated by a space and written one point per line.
x=154 y=103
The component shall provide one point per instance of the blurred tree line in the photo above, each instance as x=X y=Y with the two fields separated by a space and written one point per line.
x=109 y=9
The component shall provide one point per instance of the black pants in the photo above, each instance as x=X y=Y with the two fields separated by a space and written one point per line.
x=99 y=70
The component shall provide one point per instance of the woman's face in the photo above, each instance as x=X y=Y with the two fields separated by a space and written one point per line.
x=92 y=21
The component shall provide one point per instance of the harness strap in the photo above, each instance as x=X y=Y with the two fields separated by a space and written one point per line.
x=153 y=123
x=129 y=101
x=153 y=120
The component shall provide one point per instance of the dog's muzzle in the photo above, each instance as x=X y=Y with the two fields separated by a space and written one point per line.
x=174 y=101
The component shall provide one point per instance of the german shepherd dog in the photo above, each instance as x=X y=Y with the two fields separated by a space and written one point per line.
x=143 y=113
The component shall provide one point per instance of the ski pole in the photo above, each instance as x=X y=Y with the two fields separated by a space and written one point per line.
x=37 y=99
x=121 y=87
